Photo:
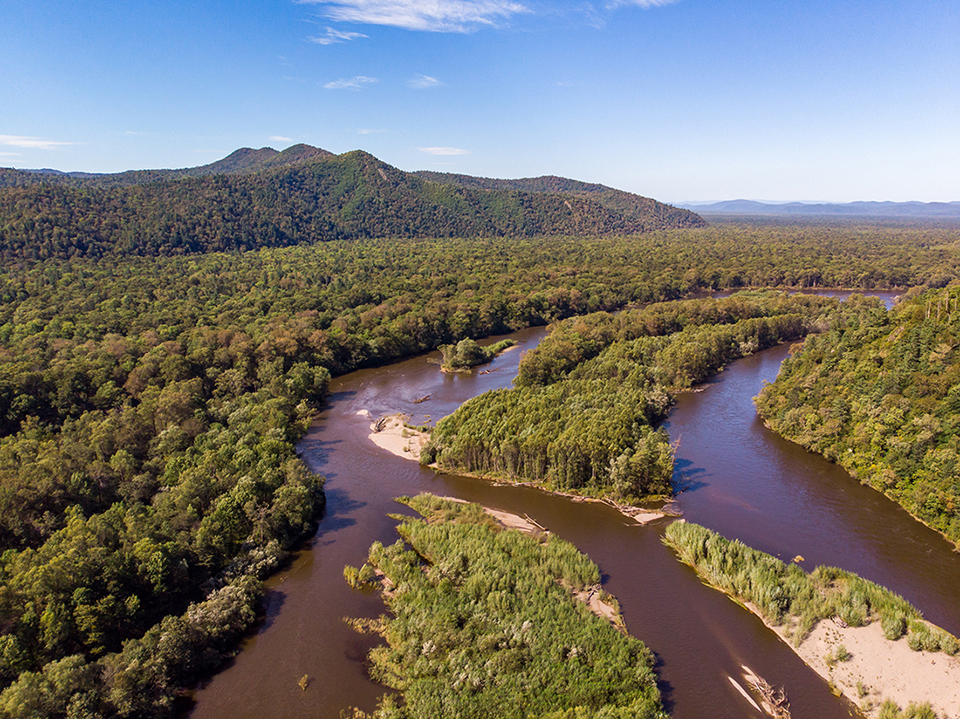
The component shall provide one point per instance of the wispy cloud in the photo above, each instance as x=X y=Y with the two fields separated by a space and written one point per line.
x=335 y=36
x=369 y=132
x=280 y=138
x=422 y=82
x=33 y=143
x=639 y=3
x=443 y=151
x=429 y=15
x=353 y=83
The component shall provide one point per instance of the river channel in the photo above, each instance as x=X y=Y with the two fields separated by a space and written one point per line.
x=736 y=477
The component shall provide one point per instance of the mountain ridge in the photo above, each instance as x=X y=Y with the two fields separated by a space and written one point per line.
x=261 y=198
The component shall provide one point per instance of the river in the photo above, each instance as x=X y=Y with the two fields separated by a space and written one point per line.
x=737 y=477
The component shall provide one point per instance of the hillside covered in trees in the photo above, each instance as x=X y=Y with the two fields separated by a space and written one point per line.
x=256 y=198
x=879 y=393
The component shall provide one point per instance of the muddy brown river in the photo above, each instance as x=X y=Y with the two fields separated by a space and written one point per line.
x=736 y=477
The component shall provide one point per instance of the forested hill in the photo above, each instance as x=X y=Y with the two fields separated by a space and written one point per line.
x=616 y=200
x=260 y=198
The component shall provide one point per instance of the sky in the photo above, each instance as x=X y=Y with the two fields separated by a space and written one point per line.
x=680 y=100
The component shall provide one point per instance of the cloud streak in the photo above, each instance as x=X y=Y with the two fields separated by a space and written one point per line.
x=426 y=15
x=336 y=36
x=443 y=151
x=639 y=3
x=354 y=83
x=33 y=143
x=422 y=82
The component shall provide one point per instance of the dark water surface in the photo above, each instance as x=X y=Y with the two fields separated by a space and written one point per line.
x=738 y=478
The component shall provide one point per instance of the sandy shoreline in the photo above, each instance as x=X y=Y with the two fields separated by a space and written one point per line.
x=878 y=669
x=392 y=434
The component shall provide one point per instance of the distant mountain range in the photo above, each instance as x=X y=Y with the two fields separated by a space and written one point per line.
x=265 y=198
x=848 y=209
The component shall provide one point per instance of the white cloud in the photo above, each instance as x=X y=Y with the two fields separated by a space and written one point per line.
x=33 y=143
x=430 y=15
x=369 y=132
x=335 y=36
x=353 y=83
x=280 y=138
x=443 y=151
x=639 y=3
x=422 y=82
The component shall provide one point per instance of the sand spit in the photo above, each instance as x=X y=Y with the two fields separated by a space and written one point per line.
x=884 y=669
x=392 y=434
x=878 y=669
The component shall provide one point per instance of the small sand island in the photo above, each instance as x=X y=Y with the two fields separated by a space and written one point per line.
x=393 y=434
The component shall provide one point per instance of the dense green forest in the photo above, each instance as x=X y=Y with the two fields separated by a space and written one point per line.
x=151 y=408
x=311 y=199
x=787 y=596
x=580 y=418
x=879 y=393
x=484 y=623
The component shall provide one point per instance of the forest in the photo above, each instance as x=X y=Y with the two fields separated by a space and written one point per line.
x=483 y=622
x=879 y=393
x=151 y=407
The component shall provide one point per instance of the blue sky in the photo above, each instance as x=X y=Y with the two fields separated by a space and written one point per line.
x=684 y=100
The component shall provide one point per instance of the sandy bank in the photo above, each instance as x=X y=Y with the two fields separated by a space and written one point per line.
x=390 y=433
x=879 y=669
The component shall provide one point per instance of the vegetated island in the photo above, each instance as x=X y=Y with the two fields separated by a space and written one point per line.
x=467 y=354
x=879 y=393
x=490 y=621
x=580 y=418
x=869 y=643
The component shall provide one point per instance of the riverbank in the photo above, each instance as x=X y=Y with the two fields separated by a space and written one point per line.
x=392 y=434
